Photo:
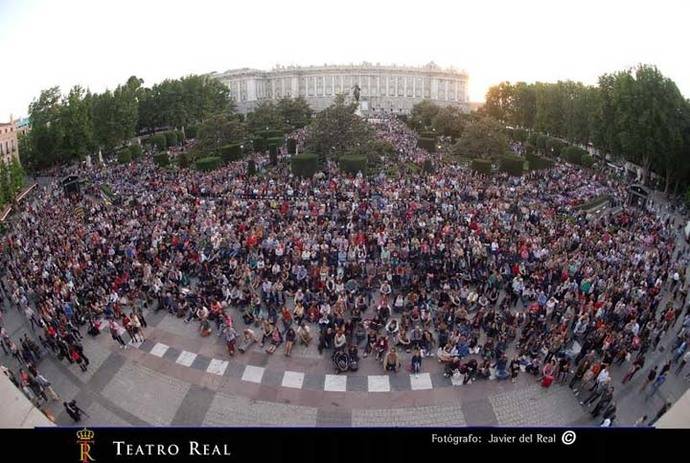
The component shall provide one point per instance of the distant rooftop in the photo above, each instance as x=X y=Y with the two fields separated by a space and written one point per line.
x=431 y=66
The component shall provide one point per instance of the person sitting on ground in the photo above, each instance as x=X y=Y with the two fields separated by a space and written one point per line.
x=304 y=334
x=276 y=340
x=248 y=338
x=391 y=361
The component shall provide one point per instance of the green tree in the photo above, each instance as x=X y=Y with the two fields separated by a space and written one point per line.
x=218 y=131
x=16 y=176
x=5 y=184
x=337 y=131
x=482 y=138
x=449 y=121
x=264 y=117
x=45 y=138
x=294 y=112
x=499 y=102
x=77 y=124
x=422 y=115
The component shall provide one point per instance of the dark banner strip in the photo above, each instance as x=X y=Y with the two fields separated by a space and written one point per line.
x=101 y=445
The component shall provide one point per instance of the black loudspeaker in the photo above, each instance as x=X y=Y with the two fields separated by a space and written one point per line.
x=71 y=185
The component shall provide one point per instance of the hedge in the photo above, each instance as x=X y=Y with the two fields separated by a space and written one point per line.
x=260 y=145
x=596 y=202
x=274 y=157
x=305 y=164
x=268 y=134
x=273 y=149
x=251 y=167
x=159 y=141
x=183 y=160
x=353 y=164
x=124 y=156
x=586 y=161
x=483 y=166
x=208 y=163
x=538 y=162
x=428 y=134
x=428 y=166
x=230 y=153
x=135 y=151
x=573 y=154
x=278 y=141
x=170 y=137
x=191 y=131
x=519 y=135
x=291 y=146
x=161 y=160
x=513 y=165
x=428 y=144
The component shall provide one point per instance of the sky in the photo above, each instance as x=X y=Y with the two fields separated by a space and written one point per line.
x=100 y=43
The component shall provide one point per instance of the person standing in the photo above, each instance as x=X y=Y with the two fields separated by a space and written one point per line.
x=660 y=379
x=416 y=362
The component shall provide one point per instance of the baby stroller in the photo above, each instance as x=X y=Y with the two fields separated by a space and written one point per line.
x=341 y=361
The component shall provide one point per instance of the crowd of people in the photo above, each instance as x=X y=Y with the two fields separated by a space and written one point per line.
x=491 y=276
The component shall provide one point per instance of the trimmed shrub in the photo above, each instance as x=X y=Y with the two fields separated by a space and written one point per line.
x=260 y=145
x=183 y=160
x=428 y=166
x=541 y=142
x=274 y=157
x=273 y=149
x=135 y=151
x=554 y=146
x=162 y=160
x=208 y=163
x=428 y=144
x=251 y=167
x=230 y=153
x=278 y=141
x=532 y=138
x=291 y=146
x=512 y=165
x=272 y=134
x=159 y=141
x=124 y=156
x=170 y=137
x=180 y=136
x=483 y=166
x=191 y=131
x=587 y=161
x=574 y=154
x=594 y=203
x=538 y=162
x=428 y=134
x=305 y=164
x=519 y=135
x=353 y=163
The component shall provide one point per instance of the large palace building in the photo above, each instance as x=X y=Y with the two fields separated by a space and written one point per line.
x=382 y=88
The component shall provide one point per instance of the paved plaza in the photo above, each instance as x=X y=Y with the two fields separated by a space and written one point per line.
x=175 y=377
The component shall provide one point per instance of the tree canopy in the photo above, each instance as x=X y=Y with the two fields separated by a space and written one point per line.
x=337 y=130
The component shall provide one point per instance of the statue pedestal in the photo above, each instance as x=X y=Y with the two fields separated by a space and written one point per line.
x=362 y=106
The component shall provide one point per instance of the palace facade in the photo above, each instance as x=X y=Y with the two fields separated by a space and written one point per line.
x=382 y=88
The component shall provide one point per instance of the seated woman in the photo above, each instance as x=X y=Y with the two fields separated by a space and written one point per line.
x=446 y=353
x=268 y=329
x=381 y=347
x=276 y=340
x=402 y=340
x=391 y=361
x=304 y=334
x=392 y=327
x=248 y=338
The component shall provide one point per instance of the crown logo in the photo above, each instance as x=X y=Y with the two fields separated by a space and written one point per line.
x=85 y=434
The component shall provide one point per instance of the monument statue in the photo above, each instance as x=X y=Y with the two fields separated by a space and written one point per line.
x=355 y=92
